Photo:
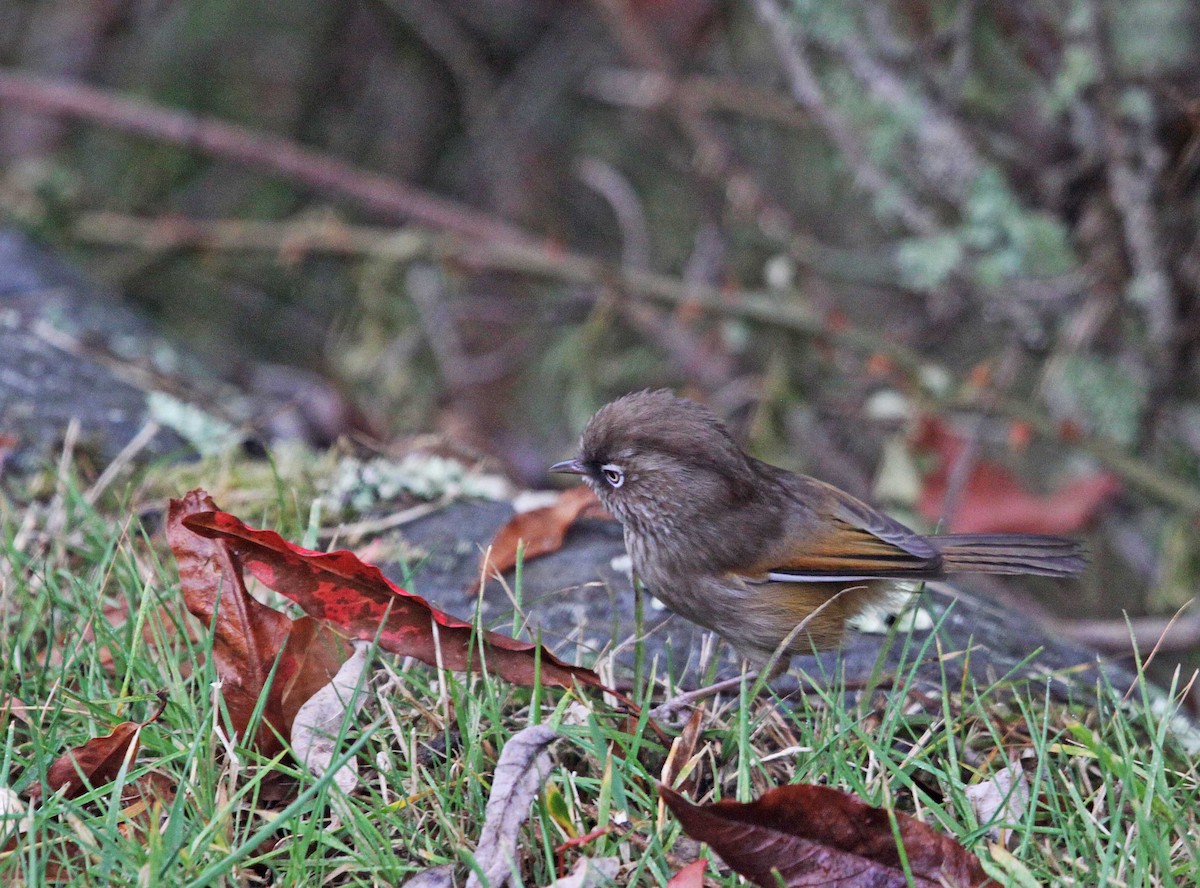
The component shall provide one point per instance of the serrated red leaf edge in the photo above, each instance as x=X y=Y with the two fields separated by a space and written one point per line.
x=365 y=604
x=254 y=646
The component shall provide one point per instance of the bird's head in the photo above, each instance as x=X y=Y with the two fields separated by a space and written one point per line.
x=658 y=462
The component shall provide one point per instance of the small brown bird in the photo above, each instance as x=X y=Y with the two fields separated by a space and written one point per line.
x=750 y=550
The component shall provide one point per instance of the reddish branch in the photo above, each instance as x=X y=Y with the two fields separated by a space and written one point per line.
x=272 y=154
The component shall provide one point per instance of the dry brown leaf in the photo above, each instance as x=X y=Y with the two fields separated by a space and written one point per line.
x=541 y=531
x=804 y=836
x=1005 y=797
x=318 y=723
x=682 y=750
x=523 y=766
x=96 y=762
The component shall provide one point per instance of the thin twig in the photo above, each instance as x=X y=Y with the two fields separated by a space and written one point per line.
x=128 y=453
x=1160 y=643
x=666 y=709
x=652 y=90
x=608 y=182
x=375 y=526
x=1180 y=632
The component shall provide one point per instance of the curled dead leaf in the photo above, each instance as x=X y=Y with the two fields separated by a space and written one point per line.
x=522 y=768
x=993 y=499
x=338 y=590
x=806 y=835
x=96 y=762
x=249 y=636
x=1003 y=797
x=541 y=531
x=318 y=723
x=679 y=763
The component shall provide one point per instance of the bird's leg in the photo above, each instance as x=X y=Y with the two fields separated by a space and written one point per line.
x=668 y=708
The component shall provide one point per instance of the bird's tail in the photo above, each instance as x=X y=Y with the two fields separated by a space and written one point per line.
x=1010 y=553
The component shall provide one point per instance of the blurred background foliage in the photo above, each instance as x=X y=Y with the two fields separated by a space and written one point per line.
x=829 y=219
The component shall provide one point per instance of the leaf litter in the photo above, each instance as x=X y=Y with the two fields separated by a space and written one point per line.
x=1004 y=797
x=323 y=717
x=311 y=670
x=358 y=601
x=521 y=770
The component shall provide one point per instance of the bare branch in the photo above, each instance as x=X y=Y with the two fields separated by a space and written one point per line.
x=652 y=90
x=777 y=309
x=382 y=194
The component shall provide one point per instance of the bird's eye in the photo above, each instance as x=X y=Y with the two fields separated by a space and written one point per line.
x=613 y=474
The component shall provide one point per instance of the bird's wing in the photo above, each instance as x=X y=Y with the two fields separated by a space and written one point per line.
x=853 y=542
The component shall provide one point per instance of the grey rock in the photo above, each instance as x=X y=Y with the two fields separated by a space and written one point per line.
x=579 y=606
x=43 y=387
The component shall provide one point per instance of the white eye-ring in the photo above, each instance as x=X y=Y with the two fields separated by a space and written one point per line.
x=613 y=474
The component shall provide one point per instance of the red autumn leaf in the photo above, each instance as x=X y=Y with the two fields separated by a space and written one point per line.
x=8 y=446
x=95 y=762
x=541 y=530
x=993 y=500
x=880 y=365
x=248 y=635
x=691 y=876
x=337 y=589
x=816 y=835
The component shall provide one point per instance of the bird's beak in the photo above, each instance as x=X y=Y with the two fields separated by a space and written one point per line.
x=569 y=467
